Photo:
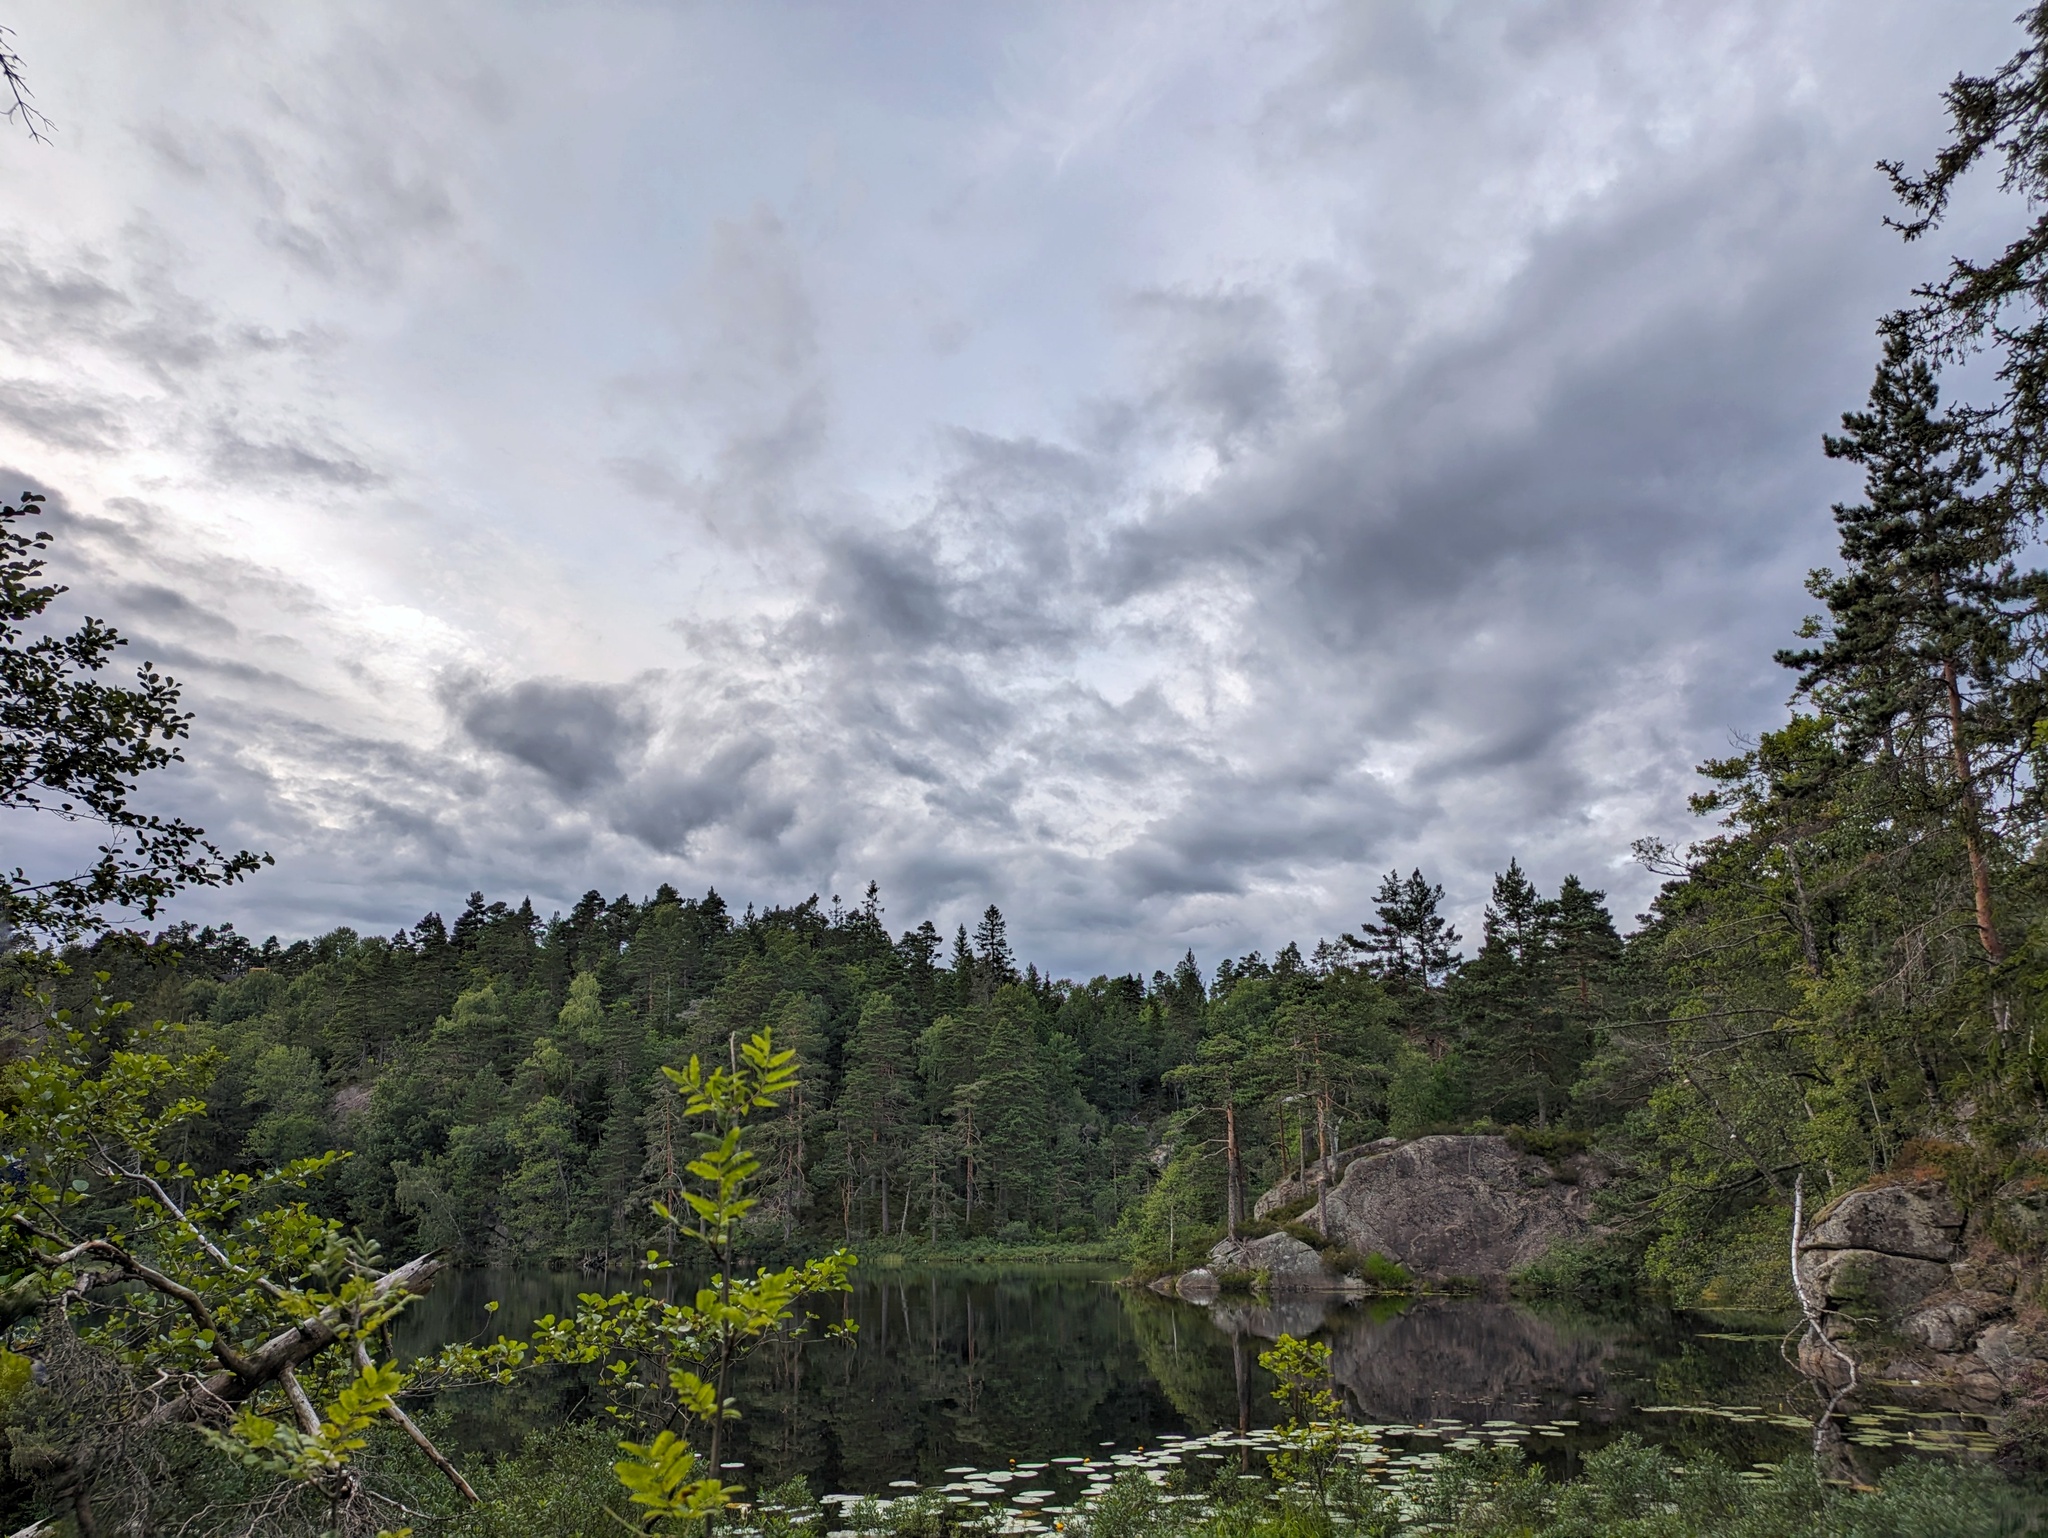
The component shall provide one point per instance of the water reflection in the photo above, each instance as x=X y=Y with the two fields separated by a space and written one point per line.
x=981 y=1366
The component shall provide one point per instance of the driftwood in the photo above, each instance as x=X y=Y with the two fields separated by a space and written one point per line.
x=243 y=1373
x=285 y=1351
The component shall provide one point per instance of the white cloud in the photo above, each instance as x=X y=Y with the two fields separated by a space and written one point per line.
x=1154 y=469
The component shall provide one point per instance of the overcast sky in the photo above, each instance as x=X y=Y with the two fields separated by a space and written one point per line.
x=1151 y=466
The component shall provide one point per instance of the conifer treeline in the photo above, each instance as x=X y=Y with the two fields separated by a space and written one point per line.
x=498 y=1079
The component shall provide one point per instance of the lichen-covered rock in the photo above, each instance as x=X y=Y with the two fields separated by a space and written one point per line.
x=1928 y=1321
x=1912 y=1220
x=1461 y=1206
x=1990 y=1272
x=1282 y=1260
x=1872 y=1282
x=1290 y=1192
x=1949 y=1322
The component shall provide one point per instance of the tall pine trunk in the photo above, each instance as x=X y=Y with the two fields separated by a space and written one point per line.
x=1233 y=1167
x=1322 y=1166
x=1973 y=833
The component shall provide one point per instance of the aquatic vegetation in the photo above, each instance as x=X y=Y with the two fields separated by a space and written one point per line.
x=1479 y=1487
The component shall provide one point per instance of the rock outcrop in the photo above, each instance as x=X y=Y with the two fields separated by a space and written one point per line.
x=1293 y=1192
x=1921 y=1297
x=1468 y=1207
x=1280 y=1261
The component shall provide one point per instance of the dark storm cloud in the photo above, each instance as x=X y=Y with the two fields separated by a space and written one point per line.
x=577 y=735
x=673 y=804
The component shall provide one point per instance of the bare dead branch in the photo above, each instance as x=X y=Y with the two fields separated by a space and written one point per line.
x=22 y=110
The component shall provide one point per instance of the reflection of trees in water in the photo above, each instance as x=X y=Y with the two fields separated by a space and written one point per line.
x=981 y=1367
x=950 y=1370
x=1401 y=1362
x=1209 y=1372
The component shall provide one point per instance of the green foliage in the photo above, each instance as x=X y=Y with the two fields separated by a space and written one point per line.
x=1386 y=1275
x=1600 y=1268
x=16 y=1375
x=1425 y=1095
x=1738 y=1262
x=73 y=748
x=1555 y=1144
x=661 y=1479
x=223 y=1289
x=262 y=1444
x=1315 y=1432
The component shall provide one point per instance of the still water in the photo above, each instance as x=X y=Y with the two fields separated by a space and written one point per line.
x=978 y=1368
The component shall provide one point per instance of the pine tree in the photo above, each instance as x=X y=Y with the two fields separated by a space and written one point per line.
x=877 y=1105
x=1412 y=941
x=1015 y=1123
x=1924 y=625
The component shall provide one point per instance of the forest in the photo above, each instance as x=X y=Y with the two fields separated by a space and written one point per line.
x=497 y=1081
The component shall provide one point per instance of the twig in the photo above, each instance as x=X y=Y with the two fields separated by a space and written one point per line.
x=419 y=1438
x=31 y=117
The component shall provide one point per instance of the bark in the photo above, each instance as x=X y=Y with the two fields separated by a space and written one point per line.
x=1807 y=942
x=1233 y=1179
x=1973 y=835
x=1322 y=1166
x=289 y=1349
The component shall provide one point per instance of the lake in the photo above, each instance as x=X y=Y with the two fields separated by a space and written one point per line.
x=962 y=1369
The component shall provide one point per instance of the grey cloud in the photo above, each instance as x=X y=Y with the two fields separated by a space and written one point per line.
x=282 y=458
x=1447 y=542
x=124 y=302
x=577 y=735
x=69 y=419
x=166 y=607
x=670 y=807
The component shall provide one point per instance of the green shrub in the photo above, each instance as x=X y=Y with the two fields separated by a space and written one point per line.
x=560 y=1483
x=789 y=1510
x=1739 y=1263
x=1287 y=1212
x=1553 y=1144
x=16 y=1374
x=1595 y=1268
x=1375 y=1270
